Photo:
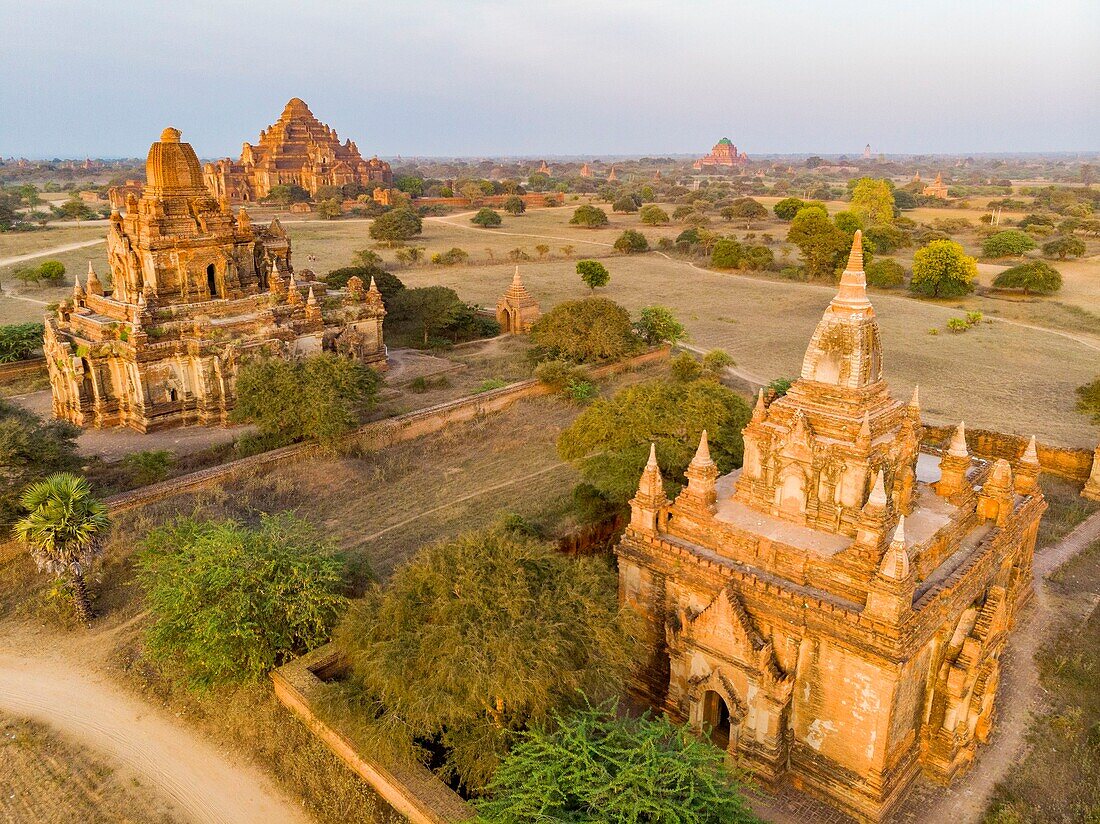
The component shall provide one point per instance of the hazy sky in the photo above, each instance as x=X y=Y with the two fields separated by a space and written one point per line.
x=491 y=77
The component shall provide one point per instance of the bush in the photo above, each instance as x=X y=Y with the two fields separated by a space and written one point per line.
x=624 y=203
x=943 y=270
x=396 y=226
x=18 y=341
x=429 y=309
x=319 y=397
x=589 y=217
x=387 y=282
x=149 y=466
x=656 y=325
x=584 y=331
x=609 y=441
x=688 y=237
x=788 y=207
x=514 y=205
x=887 y=239
x=479 y=637
x=757 y=258
x=1060 y=247
x=451 y=257
x=1007 y=244
x=726 y=254
x=598 y=764
x=489 y=385
x=1088 y=400
x=1035 y=277
x=716 y=362
x=30 y=449
x=685 y=368
x=631 y=241
x=559 y=374
x=230 y=602
x=486 y=218
x=957 y=325
x=52 y=270
x=885 y=274
x=653 y=215
x=593 y=273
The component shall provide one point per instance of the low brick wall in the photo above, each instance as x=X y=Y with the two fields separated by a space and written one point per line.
x=373 y=436
x=411 y=789
x=19 y=370
x=1073 y=464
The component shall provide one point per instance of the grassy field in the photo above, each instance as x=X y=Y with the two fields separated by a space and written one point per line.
x=25 y=243
x=46 y=779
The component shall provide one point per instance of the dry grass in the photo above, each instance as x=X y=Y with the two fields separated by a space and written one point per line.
x=46 y=779
x=25 y=243
x=1065 y=509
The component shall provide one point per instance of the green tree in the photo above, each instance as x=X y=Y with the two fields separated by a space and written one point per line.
x=631 y=242
x=886 y=274
x=387 y=282
x=584 y=331
x=822 y=243
x=52 y=270
x=748 y=210
x=887 y=239
x=873 y=201
x=430 y=308
x=717 y=361
x=19 y=340
x=319 y=397
x=396 y=226
x=63 y=529
x=726 y=254
x=409 y=254
x=590 y=217
x=486 y=218
x=329 y=209
x=230 y=602
x=757 y=258
x=284 y=194
x=30 y=448
x=624 y=203
x=410 y=185
x=1033 y=277
x=943 y=270
x=653 y=215
x=593 y=273
x=479 y=637
x=598 y=764
x=788 y=207
x=1007 y=244
x=848 y=222
x=514 y=205
x=1063 y=246
x=609 y=441
x=657 y=325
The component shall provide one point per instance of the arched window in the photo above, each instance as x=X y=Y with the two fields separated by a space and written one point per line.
x=212 y=280
x=716 y=719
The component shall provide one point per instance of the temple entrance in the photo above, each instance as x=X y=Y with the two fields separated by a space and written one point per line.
x=212 y=281
x=86 y=390
x=792 y=495
x=716 y=717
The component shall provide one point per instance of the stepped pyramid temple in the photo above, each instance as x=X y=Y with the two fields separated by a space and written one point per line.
x=833 y=613
x=517 y=309
x=297 y=149
x=724 y=153
x=194 y=290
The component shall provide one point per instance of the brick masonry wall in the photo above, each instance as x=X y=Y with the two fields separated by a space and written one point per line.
x=373 y=436
x=32 y=367
x=1074 y=464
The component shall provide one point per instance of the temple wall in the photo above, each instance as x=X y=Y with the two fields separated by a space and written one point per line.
x=1065 y=462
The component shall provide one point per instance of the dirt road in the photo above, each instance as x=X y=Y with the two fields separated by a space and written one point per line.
x=56 y=250
x=200 y=780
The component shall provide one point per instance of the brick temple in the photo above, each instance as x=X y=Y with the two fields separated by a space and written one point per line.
x=724 y=153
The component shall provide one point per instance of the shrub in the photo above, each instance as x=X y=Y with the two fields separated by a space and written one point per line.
x=1007 y=244
x=230 y=602
x=656 y=325
x=149 y=466
x=486 y=218
x=478 y=637
x=973 y=318
x=957 y=325
x=685 y=368
x=30 y=448
x=593 y=273
x=609 y=441
x=1060 y=247
x=624 y=203
x=887 y=239
x=559 y=374
x=589 y=217
x=451 y=257
x=653 y=215
x=52 y=270
x=598 y=764
x=757 y=258
x=430 y=309
x=396 y=226
x=788 y=207
x=886 y=274
x=1034 y=277
x=514 y=205
x=943 y=270
x=584 y=331
x=319 y=397
x=1088 y=400
x=631 y=241
x=688 y=237
x=19 y=340
x=779 y=386
x=489 y=385
x=717 y=361
x=726 y=254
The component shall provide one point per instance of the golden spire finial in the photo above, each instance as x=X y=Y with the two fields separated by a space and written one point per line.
x=702 y=454
x=170 y=135
x=877 y=498
x=1031 y=454
x=855 y=257
x=958 y=442
x=852 y=293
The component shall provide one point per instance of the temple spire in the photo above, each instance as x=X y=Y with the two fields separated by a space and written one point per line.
x=1031 y=453
x=895 y=561
x=914 y=402
x=852 y=294
x=702 y=454
x=760 y=410
x=877 y=499
x=958 y=448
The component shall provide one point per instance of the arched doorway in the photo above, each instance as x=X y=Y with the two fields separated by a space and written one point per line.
x=792 y=494
x=87 y=392
x=212 y=281
x=716 y=718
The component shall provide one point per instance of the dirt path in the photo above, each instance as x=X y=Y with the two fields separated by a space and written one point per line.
x=198 y=778
x=56 y=250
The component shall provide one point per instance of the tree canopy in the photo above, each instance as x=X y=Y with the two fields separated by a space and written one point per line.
x=478 y=637
x=653 y=215
x=593 y=273
x=1034 y=277
x=514 y=205
x=943 y=270
x=19 y=340
x=631 y=241
x=885 y=274
x=30 y=448
x=1007 y=244
x=590 y=217
x=873 y=201
x=657 y=325
x=230 y=602
x=429 y=308
x=788 y=207
x=396 y=226
x=822 y=243
x=726 y=254
x=609 y=441
x=594 y=764
x=584 y=331
x=1066 y=245
x=487 y=218
x=318 y=397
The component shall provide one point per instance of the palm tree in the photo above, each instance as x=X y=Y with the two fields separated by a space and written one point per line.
x=63 y=529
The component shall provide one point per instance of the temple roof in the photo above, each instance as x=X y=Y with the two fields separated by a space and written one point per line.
x=172 y=166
